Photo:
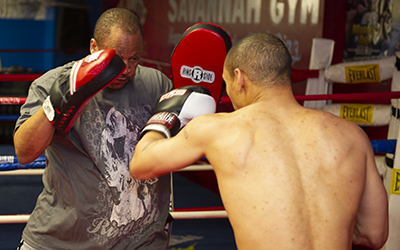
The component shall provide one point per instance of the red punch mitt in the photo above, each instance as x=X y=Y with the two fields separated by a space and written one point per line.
x=71 y=92
x=198 y=58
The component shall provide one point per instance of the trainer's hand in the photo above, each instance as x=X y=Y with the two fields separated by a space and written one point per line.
x=177 y=107
x=71 y=92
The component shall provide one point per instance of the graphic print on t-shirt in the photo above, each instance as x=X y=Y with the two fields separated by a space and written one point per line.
x=129 y=205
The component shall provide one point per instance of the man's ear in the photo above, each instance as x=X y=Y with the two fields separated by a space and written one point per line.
x=239 y=77
x=94 y=47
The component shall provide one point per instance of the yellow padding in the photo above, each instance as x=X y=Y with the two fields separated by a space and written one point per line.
x=395 y=183
x=362 y=114
x=358 y=113
x=362 y=73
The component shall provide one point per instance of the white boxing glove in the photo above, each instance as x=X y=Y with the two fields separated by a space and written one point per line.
x=177 y=107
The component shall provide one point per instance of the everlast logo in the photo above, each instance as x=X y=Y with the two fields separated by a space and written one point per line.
x=357 y=113
x=362 y=73
x=197 y=74
x=395 y=185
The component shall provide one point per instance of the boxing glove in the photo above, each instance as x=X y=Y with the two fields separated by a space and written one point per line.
x=177 y=107
x=71 y=92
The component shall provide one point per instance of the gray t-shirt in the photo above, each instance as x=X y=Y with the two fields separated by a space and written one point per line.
x=89 y=200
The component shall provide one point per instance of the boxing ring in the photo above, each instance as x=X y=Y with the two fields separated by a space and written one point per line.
x=378 y=115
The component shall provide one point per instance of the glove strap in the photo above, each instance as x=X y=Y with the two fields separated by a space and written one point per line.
x=156 y=127
x=49 y=110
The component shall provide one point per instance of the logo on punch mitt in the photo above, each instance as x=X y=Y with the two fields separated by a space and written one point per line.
x=197 y=74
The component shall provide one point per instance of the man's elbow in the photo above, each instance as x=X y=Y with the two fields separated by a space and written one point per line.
x=138 y=176
x=375 y=241
x=381 y=237
x=26 y=152
x=25 y=159
x=137 y=173
x=378 y=242
x=23 y=156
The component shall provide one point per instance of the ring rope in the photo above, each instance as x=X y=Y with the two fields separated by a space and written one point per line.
x=14 y=166
x=42 y=164
x=384 y=146
x=18 y=77
x=339 y=97
x=12 y=171
x=226 y=100
x=298 y=75
x=9 y=117
x=22 y=172
x=11 y=162
x=352 y=96
x=12 y=100
x=14 y=159
x=216 y=214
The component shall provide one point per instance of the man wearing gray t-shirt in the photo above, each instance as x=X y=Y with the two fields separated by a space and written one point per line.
x=89 y=200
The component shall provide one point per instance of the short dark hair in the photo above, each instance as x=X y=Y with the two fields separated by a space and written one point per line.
x=263 y=57
x=116 y=17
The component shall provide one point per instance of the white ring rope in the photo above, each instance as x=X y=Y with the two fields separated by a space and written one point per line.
x=38 y=171
x=217 y=214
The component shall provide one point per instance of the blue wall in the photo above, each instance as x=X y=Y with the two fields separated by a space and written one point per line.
x=35 y=44
x=23 y=35
x=19 y=35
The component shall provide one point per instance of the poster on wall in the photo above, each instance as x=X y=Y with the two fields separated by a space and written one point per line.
x=296 y=22
x=372 y=29
x=23 y=9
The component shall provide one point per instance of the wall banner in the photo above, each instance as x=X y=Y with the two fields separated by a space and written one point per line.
x=296 y=22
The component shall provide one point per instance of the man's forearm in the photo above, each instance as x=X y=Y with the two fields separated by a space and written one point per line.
x=142 y=164
x=33 y=137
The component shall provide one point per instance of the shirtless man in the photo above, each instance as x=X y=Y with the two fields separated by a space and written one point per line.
x=289 y=177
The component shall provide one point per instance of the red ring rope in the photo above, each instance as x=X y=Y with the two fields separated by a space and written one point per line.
x=297 y=74
x=351 y=96
x=18 y=77
x=227 y=100
x=337 y=97
x=12 y=100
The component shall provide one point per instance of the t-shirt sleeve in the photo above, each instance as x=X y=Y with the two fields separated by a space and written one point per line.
x=38 y=92
x=169 y=85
